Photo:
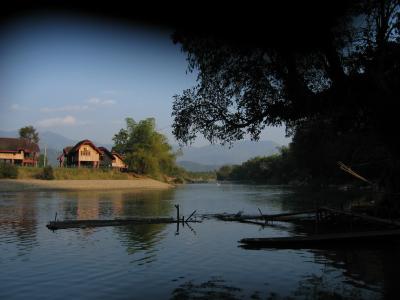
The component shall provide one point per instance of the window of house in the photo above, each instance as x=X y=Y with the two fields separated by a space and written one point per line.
x=85 y=151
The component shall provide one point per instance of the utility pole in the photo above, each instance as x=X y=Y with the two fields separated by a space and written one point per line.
x=45 y=155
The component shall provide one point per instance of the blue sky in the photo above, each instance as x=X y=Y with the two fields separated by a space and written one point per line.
x=82 y=77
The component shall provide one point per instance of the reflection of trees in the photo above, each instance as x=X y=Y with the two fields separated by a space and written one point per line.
x=144 y=237
x=376 y=266
x=94 y=205
x=140 y=237
x=215 y=288
x=108 y=205
x=312 y=287
x=305 y=198
x=319 y=287
x=18 y=219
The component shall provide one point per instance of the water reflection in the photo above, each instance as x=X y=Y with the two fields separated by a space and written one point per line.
x=18 y=219
x=130 y=261
x=215 y=288
x=105 y=205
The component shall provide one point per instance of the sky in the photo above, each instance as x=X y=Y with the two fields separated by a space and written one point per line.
x=81 y=77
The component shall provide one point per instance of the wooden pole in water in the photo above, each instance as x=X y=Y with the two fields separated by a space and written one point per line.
x=187 y=219
x=177 y=212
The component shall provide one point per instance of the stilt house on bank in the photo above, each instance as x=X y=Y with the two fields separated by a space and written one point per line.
x=86 y=154
x=21 y=152
x=83 y=154
x=118 y=161
x=112 y=159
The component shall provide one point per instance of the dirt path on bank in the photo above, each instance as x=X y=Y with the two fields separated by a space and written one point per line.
x=16 y=185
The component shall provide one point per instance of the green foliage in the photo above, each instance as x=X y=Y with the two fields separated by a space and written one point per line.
x=312 y=157
x=74 y=174
x=8 y=170
x=274 y=169
x=146 y=151
x=224 y=172
x=41 y=161
x=29 y=132
x=46 y=173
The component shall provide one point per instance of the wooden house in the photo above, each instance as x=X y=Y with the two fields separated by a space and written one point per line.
x=112 y=159
x=83 y=154
x=106 y=159
x=118 y=161
x=19 y=151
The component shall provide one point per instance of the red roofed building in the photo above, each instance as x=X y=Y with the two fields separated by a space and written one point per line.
x=19 y=151
x=83 y=154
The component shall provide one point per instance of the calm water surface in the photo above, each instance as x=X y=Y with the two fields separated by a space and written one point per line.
x=159 y=262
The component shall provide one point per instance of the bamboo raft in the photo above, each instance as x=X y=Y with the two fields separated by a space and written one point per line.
x=320 y=240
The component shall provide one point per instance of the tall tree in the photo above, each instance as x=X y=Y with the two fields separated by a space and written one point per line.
x=146 y=150
x=345 y=69
x=337 y=67
x=30 y=133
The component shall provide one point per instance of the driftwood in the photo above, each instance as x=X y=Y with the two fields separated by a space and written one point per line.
x=54 y=225
x=320 y=240
x=276 y=217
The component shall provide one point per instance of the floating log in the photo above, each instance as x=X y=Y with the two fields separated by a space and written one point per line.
x=54 y=225
x=320 y=240
x=274 y=217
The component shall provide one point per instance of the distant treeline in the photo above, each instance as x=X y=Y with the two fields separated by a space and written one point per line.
x=312 y=159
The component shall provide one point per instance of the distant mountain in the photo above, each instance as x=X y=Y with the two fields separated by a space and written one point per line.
x=196 y=167
x=217 y=155
x=54 y=140
x=8 y=134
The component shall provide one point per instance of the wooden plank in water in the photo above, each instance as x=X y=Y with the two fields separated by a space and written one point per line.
x=54 y=225
x=320 y=239
x=275 y=217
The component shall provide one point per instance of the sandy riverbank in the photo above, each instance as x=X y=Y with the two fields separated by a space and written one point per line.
x=15 y=185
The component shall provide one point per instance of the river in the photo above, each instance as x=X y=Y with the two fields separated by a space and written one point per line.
x=161 y=262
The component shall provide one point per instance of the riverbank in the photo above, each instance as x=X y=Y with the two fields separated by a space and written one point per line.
x=16 y=185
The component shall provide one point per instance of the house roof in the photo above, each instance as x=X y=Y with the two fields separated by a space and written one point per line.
x=118 y=155
x=16 y=145
x=83 y=142
x=105 y=151
x=66 y=150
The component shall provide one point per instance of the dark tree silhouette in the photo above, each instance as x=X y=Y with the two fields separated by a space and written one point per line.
x=339 y=63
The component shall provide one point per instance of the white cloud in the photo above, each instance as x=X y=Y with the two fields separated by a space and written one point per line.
x=66 y=121
x=65 y=108
x=17 y=107
x=91 y=104
x=109 y=102
x=97 y=101
x=93 y=100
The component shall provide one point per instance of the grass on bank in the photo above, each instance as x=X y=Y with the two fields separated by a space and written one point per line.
x=74 y=174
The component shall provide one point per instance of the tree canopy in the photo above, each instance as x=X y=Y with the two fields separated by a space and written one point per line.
x=343 y=69
x=30 y=133
x=146 y=151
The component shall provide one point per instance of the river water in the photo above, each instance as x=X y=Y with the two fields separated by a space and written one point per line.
x=160 y=262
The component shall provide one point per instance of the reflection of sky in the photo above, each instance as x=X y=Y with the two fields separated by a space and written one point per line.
x=129 y=261
x=82 y=77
